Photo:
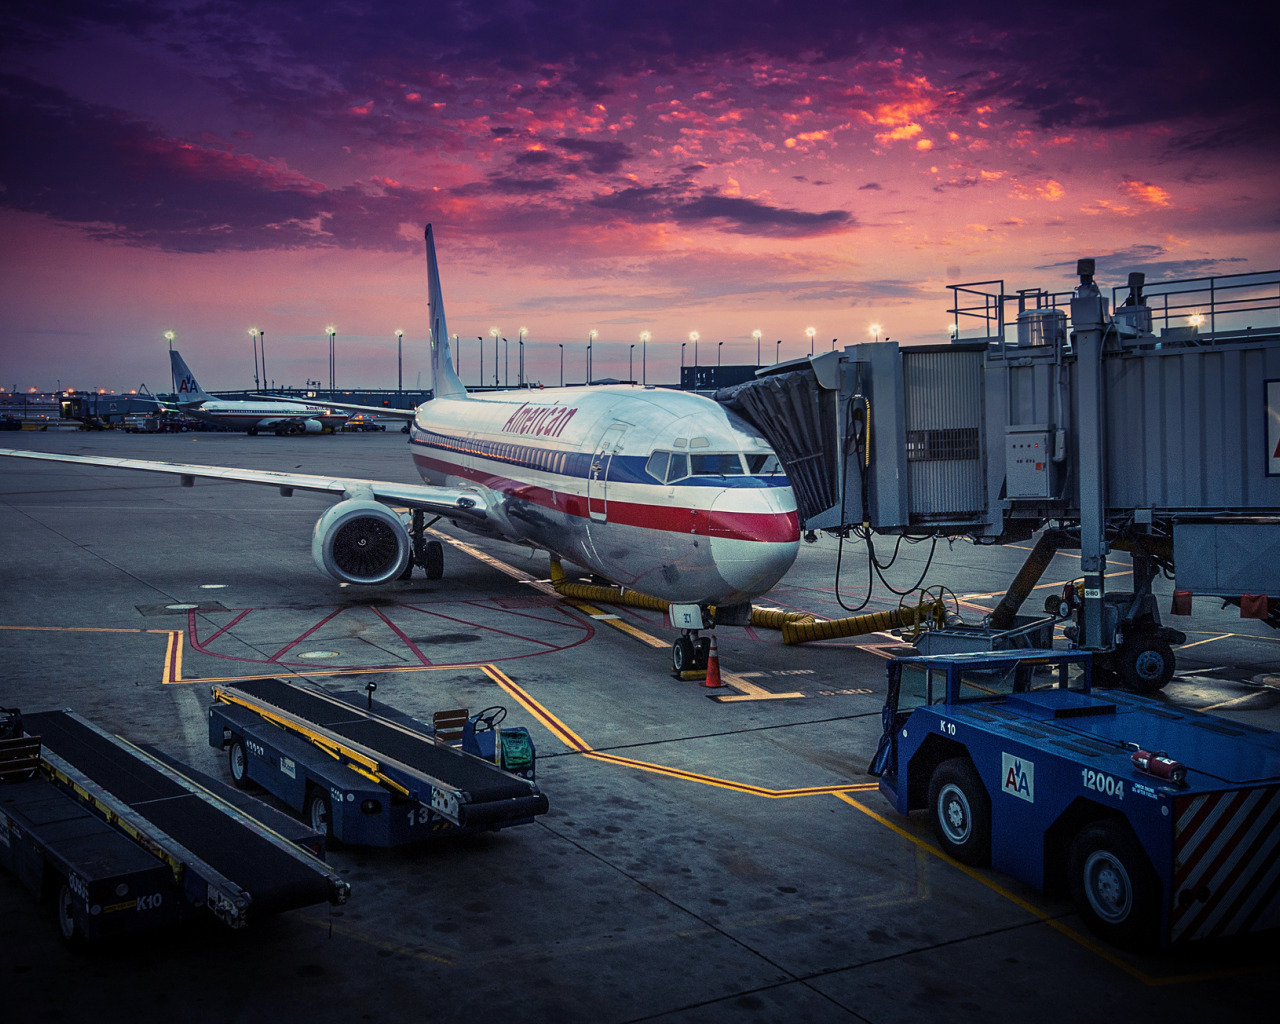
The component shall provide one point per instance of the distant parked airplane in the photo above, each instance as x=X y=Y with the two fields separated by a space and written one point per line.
x=663 y=491
x=279 y=417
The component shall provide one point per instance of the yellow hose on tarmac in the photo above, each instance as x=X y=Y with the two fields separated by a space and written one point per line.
x=860 y=625
x=769 y=618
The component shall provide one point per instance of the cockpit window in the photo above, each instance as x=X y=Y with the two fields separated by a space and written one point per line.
x=679 y=468
x=717 y=464
x=760 y=464
x=656 y=467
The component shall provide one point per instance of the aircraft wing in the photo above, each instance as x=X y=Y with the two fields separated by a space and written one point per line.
x=452 y=503
x=381 y=410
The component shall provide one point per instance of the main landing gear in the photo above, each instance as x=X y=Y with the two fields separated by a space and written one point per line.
x=427 y=553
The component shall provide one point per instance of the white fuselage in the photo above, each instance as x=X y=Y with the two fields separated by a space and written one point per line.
x=263 y=415
x=662 y=491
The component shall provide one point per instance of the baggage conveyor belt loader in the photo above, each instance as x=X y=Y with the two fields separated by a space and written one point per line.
x=372 y=775
x=120 y=839
x=1163 y=824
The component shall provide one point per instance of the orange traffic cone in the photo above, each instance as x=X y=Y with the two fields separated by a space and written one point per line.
x=713 y=666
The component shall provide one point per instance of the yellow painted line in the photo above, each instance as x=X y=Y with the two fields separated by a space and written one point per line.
x=172 y=670
x=1083 y=940
x=750 y=691
x=501 y=566
x=1002 y=891
x=1207 y=640
x=1043 y=586
x=575 y=742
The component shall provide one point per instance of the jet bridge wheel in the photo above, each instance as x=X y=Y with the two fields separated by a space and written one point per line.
x=1145 y=663
x=961 y=811
x=1113 y=886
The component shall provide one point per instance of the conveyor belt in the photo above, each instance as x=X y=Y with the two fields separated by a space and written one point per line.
x=481 y=781
x=274 y=878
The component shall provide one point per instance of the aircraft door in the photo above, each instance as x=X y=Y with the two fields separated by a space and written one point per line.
x=598 y=475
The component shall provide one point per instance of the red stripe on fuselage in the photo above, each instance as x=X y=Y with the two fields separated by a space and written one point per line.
x=764 y=527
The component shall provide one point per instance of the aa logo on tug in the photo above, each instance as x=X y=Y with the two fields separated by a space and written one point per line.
x=1019 y=777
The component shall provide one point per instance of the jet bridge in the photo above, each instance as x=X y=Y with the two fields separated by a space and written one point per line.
x=1146 y=421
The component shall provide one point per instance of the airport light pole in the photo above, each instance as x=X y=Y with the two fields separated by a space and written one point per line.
x=644 y=358
x=173 y=380
x=399 y=361
x=777 y=352
x=457 y=357
x=333 y=333
x=757 y=335
x=506 y=364
x=262 y=341
x=481 y=346
x=693 y=337
x=494 y=333
x=520 y=351
x=874 y=330
x=719 y=346
x=591 y=337
x=253 y=333
x=810 y=332
x=682 y=345
x=561 y=344
x=630 y=355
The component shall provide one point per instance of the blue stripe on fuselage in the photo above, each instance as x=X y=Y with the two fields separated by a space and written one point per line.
x=627 y=469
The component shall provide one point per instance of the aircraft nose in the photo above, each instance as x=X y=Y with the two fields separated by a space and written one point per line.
x=754 y=542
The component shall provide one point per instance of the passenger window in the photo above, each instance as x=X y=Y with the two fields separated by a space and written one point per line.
x=657 y=465
x=679 y=467
x=721 y=464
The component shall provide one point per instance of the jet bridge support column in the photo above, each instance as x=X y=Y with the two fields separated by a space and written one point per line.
x=1088 y=319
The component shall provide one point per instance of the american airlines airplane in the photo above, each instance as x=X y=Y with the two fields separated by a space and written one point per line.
x=665 y=492
x=279 y=417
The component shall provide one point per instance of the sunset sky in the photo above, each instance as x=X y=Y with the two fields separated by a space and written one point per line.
x=719 y=167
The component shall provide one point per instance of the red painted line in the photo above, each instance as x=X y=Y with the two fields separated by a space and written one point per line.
x=227 y=626
x=289 y=646
x=401 y=634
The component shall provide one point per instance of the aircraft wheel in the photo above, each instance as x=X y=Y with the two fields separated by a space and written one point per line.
x=1113 y=886
x=319 y=813
x=702 y=652
x=408 y=569
x=683 y=655
x=252 y=431
x=435 y=560
x=238 y=763
x=961 y=811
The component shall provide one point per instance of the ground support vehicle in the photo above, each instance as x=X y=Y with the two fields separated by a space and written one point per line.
x=1163 y=824
x=120 y=840
x=372 y=775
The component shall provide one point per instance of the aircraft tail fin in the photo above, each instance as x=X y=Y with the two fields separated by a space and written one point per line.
x=185 y=386
x=444 y=379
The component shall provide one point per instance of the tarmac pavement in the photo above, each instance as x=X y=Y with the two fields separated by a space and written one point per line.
x=703 y=860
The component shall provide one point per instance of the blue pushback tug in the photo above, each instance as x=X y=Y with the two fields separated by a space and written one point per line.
x=1163 y=824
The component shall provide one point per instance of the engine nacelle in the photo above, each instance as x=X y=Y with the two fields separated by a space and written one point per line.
x=361 y=541
x=313 y=427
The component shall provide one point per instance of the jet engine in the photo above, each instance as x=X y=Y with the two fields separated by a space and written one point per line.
x=313 y=427
x=361 y=541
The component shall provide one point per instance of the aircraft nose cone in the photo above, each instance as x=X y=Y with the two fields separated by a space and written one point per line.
x=754 y=542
